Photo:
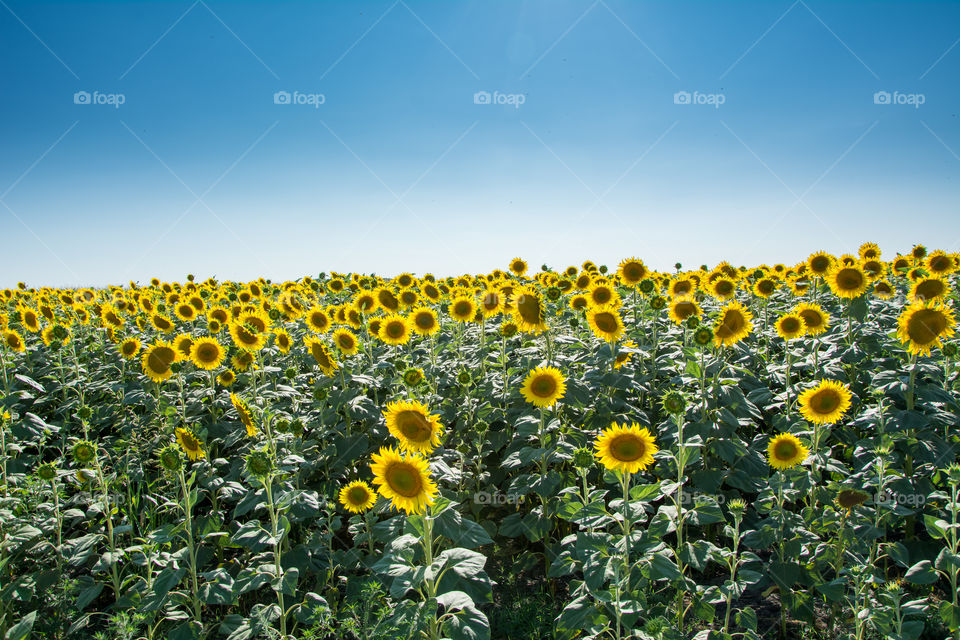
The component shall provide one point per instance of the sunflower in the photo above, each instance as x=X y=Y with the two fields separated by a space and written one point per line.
x=820 y=263
x=722 y=288
x=358 y=496
x=30 y=319
x=683 y=307
x=317 y=320
x=410 y=422
x=883 y=289
x=242 y=361
x=282 y=340
x=206 y=353
x=243 y=411
x=851 y=498
x=408 y=298
x=733 y=325
x=543 y=386
x=579 y=302
x=182 y=345
x=790 y=326
x=529 y=310
x=404 y=480
x=847 y=281
x=869 y=251
x=933 y=288
x=924 y=324
x=345 y=340
x=13 y=341
x=185 y=311
x=55 y=332
x=826 y=403
x=627 y=449
x=605 y=322
x=227 y=378
x=764 y=287
x=681 y=286
x=631 y=271
x=190 y=444
x=387 y=300
x=162 y=323
x=814 y=317
x=604 y=295
x=940 y=263
x=623 y=357
x=322 y=355
x=518 y=267
x=395 y=329
x=157 y=360
x=463 y=309
x=247 y=337
x=786 y=451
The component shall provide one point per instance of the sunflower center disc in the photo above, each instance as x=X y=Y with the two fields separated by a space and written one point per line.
x=785 y=451
x=543 y=387
x=404 y=480
x=925 y=326
x=414 y=426
x=626 y=448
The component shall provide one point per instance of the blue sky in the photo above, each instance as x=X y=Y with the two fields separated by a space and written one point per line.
x=593 y=151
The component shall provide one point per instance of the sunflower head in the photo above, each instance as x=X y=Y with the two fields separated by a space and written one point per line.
x=733 y=325
x=227 y=378
x=785 y=451
x=83 y=452
x=404 y=480
x=631 y=271
x=357 y=496
x=47 y=471
x=171 y=458
x=815 y=319
x=605 y=322
x=674 y=402
x=245 y=414
x=826 y=403
x=543 y=386
x=847 y=280
x=518 y=267
x=259 y=463
x=924 y=324
x=790 y=326
x=190 y=444
x=626 y=448
x=849 y=499
x=529 y=312
x=411 y=423
x=206 y=353
x=703 y=336
x=395 y=329
x=412 y=377
x=583 y=458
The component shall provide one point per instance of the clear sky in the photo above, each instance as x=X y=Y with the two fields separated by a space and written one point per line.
x=384 y=155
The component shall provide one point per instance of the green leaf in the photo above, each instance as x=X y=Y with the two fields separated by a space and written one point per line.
x=218 y=588
x=663 y=567
x=921 y=573
x=950 y=615
x=576 y=616
x=21 y=630
x=469 y=623
x=784 y=574
x=464 y=572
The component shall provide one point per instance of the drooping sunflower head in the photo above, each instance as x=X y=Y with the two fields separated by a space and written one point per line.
x=244 y=413
x=357 y=496
x=825 y=403
x=625 y=448
x=733 y=325
x=410 y=422
x=157 y=360
x=850 y=499
x=790 y=326
x=847 y=280
x=605 y=322
x=529 y=311
x=190 y=444
x=403 y=480
x=207 y=353
x=395 y=329
x=543 y=386
x=785 y=451
x=321 y=355
x=924 y=324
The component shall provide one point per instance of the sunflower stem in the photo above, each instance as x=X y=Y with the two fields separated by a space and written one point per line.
x=789 y=385
x=191 y=545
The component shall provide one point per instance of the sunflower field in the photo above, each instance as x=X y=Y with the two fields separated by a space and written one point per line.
x=726 y=452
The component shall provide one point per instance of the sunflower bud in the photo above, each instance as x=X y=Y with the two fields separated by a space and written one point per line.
x=554 y=293
x=703 y=336
x=583 y=458
x=171 y=458
x=953 y=473
x=413 y=377
x=737 y=508
x=950 y=350
x=297 y=427
x=508 y=329
x=693 y=322
x=290 y=373
x=84 y=413
x=646 y=285
x=658 y=302
x=675 y=403
x=282 y=425
x=464 y=377
x=83 y=452
x=47 y=471
x=259 y=463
